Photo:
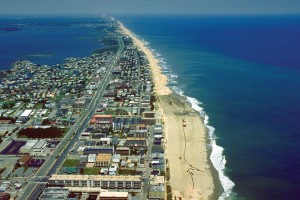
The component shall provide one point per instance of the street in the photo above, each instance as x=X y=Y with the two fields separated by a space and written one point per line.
x=52 y=164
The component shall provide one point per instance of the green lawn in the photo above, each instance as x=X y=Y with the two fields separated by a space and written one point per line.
x=71 y=163
x=39 y=106
x=91 y=170
x=126 y=171
x=2 y=170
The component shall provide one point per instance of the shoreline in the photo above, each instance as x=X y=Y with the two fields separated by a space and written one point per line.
x=192 y=175
x=190 y=170
x=160 y=80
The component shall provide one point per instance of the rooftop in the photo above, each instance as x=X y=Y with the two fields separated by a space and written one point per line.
x=95 y=177
x=113 y=194
x=103 y=157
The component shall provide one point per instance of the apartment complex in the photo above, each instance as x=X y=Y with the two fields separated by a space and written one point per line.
x=126 y=183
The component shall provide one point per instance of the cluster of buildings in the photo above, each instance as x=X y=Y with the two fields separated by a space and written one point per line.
x=69 y=194
x=124 y=139
x=36 y=92
x=40 y=96
x=120 y=153
x=33 y=147
x=34 y=83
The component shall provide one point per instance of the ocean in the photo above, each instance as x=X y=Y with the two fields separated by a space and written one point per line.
x=244 y=72
x=46 y=40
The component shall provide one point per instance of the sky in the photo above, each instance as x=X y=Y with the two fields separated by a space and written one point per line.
x=96 y=7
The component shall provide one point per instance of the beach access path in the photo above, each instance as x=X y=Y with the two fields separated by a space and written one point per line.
x=185 y=143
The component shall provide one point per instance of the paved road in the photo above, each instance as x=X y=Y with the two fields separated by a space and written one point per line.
x=56 y=159
x=142 y=86
x=37 y=189
x=148 y=158
x=14 y=135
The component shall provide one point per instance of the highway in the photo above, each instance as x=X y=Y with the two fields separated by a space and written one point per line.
x=141 y=88
x=52 y=164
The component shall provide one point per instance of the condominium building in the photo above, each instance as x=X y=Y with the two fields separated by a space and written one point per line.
x=126 y=183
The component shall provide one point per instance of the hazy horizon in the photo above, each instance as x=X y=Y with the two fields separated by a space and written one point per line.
x=113 y=7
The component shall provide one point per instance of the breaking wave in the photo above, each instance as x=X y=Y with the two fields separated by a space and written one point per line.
x=217 y=157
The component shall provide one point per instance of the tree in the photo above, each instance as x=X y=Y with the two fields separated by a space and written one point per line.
x=52 y=132
x=46 y=122
x=9 y=104
x=81 y=171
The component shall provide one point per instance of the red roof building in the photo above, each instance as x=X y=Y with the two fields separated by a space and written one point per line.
x=25 y=159
x=102 y=119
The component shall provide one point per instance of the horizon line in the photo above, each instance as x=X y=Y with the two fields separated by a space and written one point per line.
x=147 y=14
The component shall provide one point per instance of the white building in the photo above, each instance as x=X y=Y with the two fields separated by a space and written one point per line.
x=26 y=113
x=105 y=141
x=39 y=146
x=116 y=158
x=127 y=183
x=114 y=195
x=28 y=146
x=113 y=169
x=92 y=158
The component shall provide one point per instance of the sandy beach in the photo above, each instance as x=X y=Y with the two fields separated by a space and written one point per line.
x=190 y=175
x=185 y=141
x=159 y=79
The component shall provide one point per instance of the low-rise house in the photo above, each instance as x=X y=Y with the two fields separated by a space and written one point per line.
x=102 y=119
x=83 y=158
x=113 y=196
x=152 y=118
x=98 y=149
x=137 y=143
x=5 y=121
x=124 y=151
x=27 y=148
x=105 y=141
x=54 y=193
x=120 y=122
x=91 y=158
x=25 y=159
x=104 y=171
x=39 y=146
x=103 y=160
x=116 y=158
x=113 y=169
x=156 y=192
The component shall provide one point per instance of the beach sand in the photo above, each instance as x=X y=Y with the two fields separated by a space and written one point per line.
x=186 y=136
x=190 y=174
x=159 y=79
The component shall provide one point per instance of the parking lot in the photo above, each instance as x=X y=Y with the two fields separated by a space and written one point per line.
x=13 y=147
